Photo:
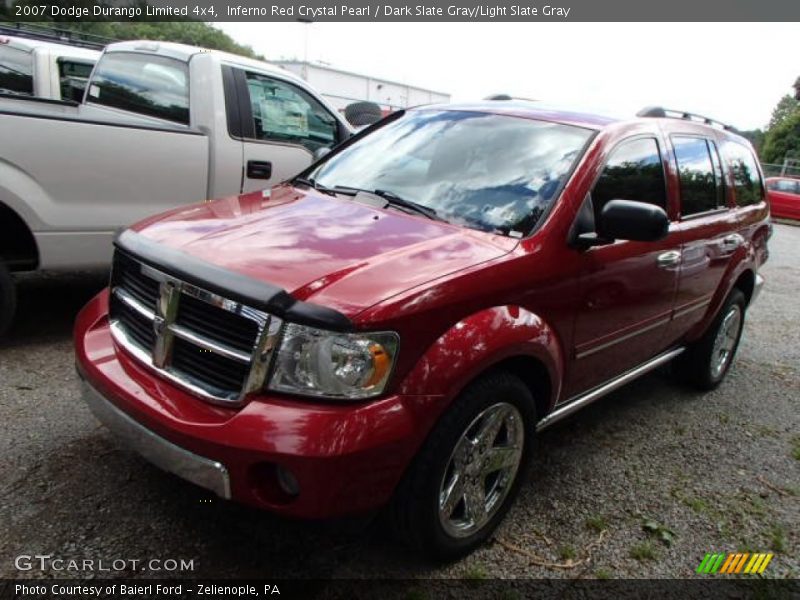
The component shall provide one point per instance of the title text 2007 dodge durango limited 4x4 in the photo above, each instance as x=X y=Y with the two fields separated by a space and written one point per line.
x=393 y=325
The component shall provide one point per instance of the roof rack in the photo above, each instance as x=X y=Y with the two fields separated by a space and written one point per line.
x=54 y=34
x=659 y=112
x=503 y=97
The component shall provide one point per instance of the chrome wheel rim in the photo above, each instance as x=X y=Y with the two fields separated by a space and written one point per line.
x=481 y=470
x=725 y=342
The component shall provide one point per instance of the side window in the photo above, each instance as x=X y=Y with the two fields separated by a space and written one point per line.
x=285 y=113
x=747 y=183
x=72 y=77
x=783 y=185
x=16 y=71
x=147 y=84
x=634 y=171
x=700 y=188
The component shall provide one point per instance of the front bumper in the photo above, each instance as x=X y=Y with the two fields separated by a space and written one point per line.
x=206 y=473
x=346 y=458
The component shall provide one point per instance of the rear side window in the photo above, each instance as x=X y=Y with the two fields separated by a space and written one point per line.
x=72 y=77
x=285 y=113
x=785 y=185
x=16 y=71
x=700 y=187
x=634 y=171
x=747 y=183
x=147 y=84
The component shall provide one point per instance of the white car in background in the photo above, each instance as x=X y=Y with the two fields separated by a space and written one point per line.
x=31 y=67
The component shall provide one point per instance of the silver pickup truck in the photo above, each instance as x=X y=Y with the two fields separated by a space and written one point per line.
x=32 y=67
x=161 y=125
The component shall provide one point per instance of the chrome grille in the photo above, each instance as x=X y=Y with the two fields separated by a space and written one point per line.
x=212 y=346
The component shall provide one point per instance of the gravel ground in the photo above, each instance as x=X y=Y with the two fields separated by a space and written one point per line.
x=714 y=472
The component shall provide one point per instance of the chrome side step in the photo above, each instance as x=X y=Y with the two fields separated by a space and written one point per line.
x=574 y=405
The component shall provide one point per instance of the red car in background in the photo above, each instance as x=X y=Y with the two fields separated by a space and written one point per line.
x=784 y=197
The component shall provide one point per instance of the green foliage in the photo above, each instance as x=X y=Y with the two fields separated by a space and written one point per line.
x=657 y=530
x=596 y=523
x=755 y=137
x=783 y=140
x=476 y=572
x=567 y=552
x=195 y=33
x=777 y=538
x=644 y=551
x=786 y=107
x=603 y=573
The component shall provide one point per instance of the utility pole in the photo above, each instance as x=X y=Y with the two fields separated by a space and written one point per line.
x=307 y=23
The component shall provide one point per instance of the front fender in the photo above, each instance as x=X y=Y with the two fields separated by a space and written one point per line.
x=482 y=340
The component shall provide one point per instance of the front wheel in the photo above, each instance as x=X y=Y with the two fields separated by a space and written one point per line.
x=705 y=362
x=467 y=474
x=8 y=299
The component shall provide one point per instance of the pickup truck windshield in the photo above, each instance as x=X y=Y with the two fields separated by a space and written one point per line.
x=147 y=84
x=490 y=172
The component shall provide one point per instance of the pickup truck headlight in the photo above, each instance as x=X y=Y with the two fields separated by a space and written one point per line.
x=315 y=362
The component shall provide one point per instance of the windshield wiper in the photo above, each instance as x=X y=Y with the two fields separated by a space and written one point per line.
x=312 y=183
x=395 y=200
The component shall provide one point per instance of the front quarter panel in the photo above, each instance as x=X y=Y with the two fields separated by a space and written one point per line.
x=478 y=342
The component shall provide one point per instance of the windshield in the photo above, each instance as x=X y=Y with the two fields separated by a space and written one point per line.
x=485 y=171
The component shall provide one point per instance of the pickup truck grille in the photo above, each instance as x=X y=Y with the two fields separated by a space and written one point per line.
x=209 y=345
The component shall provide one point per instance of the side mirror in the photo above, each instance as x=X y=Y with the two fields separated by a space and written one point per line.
x=361 y=114
x=628 y=220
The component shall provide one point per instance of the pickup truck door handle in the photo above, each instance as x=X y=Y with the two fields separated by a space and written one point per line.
x=669 y=259
x=259 y=169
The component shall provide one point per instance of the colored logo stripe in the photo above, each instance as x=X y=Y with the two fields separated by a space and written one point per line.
x=734 y=562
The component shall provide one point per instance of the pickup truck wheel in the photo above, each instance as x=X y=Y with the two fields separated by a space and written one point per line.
x=705 y=363
x=8 y=299
x=469 y=471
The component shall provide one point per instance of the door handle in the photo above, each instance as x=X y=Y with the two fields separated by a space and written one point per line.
x=259 y=169
x=732 y=241
x=669 y=259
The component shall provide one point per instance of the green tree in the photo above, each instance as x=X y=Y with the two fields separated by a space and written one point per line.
x=786 y=107
x=783 y=140
x=184 y=31
x=756 y=137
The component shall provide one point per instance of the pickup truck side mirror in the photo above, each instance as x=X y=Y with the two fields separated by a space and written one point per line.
x=627 y=220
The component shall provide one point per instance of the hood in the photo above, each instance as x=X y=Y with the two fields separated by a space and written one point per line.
x=331 y=251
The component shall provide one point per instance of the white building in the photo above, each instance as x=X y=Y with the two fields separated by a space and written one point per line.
x=343 y=87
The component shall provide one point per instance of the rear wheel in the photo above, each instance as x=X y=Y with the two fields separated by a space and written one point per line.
x=8 y=299
x=705 y=363
x=467 y=474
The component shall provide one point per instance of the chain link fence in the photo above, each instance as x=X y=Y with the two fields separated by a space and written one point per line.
x=789 y=168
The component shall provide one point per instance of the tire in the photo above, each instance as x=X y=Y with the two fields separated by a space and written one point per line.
x=361 y=114
x=8 y=299
x=703 y=365
x=445 y=534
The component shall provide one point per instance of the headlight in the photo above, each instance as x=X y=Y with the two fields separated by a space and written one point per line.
x=315 y=362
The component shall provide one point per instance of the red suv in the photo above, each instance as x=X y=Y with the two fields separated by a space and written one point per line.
x=391 y=327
